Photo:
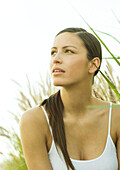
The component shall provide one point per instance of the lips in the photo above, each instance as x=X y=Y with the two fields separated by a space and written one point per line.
x=57 y=69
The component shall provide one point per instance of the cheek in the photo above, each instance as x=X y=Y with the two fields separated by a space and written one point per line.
x=78 y=67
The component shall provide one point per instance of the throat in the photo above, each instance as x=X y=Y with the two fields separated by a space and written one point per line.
x=75 y=104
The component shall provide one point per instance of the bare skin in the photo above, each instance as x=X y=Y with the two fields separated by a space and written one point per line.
x=92 y=131
x=85 y=128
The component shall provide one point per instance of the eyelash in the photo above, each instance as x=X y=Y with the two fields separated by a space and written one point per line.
x=69 y=50
x=52 y=53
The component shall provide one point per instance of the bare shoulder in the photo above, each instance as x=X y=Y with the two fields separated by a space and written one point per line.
x=33 y=121
x=34 y=116
x=33 y=131
x=116 y=117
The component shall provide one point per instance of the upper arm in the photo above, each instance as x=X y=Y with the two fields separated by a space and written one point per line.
x=33 y=140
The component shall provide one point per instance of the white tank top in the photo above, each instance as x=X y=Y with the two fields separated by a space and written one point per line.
x=106 y=161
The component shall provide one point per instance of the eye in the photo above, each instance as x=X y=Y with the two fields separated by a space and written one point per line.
x=53 y=52
x=69 y=51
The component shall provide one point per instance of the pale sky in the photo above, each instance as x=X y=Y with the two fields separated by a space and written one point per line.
x=27 y=30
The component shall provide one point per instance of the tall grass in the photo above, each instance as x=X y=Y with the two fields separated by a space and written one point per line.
x=103 y=90
x=26 y=100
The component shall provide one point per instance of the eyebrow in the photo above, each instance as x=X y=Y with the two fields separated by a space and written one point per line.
x=65 y=47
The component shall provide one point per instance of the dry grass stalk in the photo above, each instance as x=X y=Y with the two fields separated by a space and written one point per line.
x=102 y=90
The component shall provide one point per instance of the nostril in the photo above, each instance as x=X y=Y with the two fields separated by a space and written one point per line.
x=55 y=60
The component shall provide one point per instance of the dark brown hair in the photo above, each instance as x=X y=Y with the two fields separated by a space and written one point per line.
x=54 y=105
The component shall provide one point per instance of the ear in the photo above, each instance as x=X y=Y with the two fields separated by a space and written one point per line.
x=94 y=65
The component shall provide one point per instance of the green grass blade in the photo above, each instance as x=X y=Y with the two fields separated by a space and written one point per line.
x=114 y=89
x=109 y=36
x=110 y=84
x=116 y=17
x=103 y=106
x=110 y=57
x=96 y=35
x=105 y=46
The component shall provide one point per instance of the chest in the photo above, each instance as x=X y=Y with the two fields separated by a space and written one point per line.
x=86 y=138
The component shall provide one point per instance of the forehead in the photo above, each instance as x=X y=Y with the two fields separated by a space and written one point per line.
x=67 y=39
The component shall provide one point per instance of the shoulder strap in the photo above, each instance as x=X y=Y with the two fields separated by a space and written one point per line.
x=46 y=115
x=110 y=110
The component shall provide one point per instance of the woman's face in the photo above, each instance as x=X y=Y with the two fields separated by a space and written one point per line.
x=69 y=54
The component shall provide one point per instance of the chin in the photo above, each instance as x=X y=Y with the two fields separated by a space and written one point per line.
x=60 y=84
x=57 y=84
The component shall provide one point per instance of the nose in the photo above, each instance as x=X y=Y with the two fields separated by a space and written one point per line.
x=57 y=58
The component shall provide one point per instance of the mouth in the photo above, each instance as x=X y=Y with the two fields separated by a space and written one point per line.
x=57 y=71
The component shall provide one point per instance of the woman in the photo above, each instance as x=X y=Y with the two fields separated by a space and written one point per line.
x=67 y=130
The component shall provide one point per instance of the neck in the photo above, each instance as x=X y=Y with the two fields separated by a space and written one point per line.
x=76 y=98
